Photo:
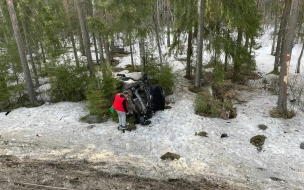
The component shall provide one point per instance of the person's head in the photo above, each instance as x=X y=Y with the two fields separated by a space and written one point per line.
x=126 y=93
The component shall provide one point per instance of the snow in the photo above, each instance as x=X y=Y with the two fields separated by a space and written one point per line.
x=233 y=160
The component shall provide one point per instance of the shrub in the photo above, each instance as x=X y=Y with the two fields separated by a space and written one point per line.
x=285 y=115
x=131 y=69
x=4 y=95
x=68 y=83
x=204 y=105
x=274 y=86
x=163 y=76
x=208 y=106
x=167 y=78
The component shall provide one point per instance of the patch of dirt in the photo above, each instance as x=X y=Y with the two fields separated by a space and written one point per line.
x=28 y=174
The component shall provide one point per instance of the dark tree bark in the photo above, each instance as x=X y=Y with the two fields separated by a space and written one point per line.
x=189 y=53
x=100 y=44
x=168 y=34
x=96 y=49
x=90 y=13
x=299 y=60
x=274 y=34
x=26 y=70
x=142 y=53
x=281 y=36
x=200 y=39
x=131 y=51
x=85 y=37
x=82 y=48
x=30 y=53
x=70 y=29
x=43 y=53
x=226 y=51
x=236 y=63
x=107 y=49
x=156 y=25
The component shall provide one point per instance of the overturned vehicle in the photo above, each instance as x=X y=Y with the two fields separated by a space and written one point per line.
x=145 y=99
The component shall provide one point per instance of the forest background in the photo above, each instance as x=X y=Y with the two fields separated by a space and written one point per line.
x=36 y=35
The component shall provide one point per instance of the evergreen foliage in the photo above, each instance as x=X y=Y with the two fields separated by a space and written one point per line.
x=12 y=83
x=167 y=78
x=219 y=73
x=101 y=92
x=4 y=94
x=186 y=17
x=94 y=97
x=121 y=16
x=68 y=83
x=161 y=76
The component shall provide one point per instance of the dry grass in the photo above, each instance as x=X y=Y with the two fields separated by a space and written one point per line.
x=285 y=115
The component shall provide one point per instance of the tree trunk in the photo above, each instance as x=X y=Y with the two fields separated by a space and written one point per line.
x=82 y=48
x=247 y=42
x=226 y=51
x=27 y=74
x=100 y=44
x=281 y=36
x=158 y=39
x=168 y=34
x=70 y=29
x=299 y=60
x=201 y=9
x=236 y=61
x=142 y=54
x=112 y=47
x=287 y=46
x=85 y=37
x=30 y=53
x=258 y=4
x=278 y=52
x=189 y=53
x=251 y=45
x=107 y=49
x=96 y=49
x=274 y=34
x=131 y=51
x=43 y=53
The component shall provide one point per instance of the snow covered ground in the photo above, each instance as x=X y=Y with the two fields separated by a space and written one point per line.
x=233 y=160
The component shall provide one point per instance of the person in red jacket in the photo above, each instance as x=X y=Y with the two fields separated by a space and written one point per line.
x=120 y=104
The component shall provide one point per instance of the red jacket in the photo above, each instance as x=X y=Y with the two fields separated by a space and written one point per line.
x=120 y=103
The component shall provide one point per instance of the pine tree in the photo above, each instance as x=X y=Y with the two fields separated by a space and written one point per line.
x=101 y=92
x=287 y=44
x=28 y=78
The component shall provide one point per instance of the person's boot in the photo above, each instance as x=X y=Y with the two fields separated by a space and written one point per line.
x=124 y=127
